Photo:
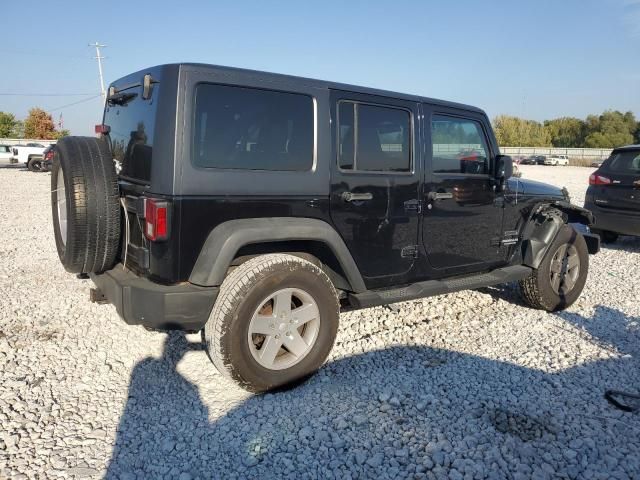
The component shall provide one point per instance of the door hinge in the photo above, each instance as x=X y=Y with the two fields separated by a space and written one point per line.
x=413 y=206
x=410 y=251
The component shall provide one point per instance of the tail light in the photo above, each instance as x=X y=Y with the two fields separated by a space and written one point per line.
x=102 y=129
x=596 y=179
x=156 y=219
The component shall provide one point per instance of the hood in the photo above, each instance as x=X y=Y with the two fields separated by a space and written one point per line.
x=531 y=187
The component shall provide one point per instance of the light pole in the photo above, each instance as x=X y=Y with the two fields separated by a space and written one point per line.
x=99 y=57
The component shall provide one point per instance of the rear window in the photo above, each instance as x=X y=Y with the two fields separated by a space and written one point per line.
x=624 y=162
x=374 y=138
x=252 y=129
x=131 y=124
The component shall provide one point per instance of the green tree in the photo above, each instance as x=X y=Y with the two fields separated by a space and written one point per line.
x=609 y=130
x=517 y=132
x=58 y=134
x=566 y=132
x=39 y=124
x=7 y=124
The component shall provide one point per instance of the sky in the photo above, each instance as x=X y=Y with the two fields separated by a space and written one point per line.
x=538 y=59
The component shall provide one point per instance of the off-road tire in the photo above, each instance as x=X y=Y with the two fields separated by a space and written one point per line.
x=92 y=204
x=34 y=164
x=241 y=293
x=536 y=289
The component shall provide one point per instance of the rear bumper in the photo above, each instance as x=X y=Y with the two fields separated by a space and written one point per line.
x=139 y=301
x=614 y=221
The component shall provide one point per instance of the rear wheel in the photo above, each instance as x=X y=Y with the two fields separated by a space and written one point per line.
x=34 y=164
x=274 y=322
x=560 y=278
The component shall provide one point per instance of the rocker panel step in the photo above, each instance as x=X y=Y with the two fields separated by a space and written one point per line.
x=431 y=288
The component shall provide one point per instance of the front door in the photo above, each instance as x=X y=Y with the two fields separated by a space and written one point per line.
x=462 y=218
x=374 y=185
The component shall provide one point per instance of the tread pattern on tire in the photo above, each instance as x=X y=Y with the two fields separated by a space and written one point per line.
x=34 y=164
x=531 y=292
x=94 y=213
x=233 y=290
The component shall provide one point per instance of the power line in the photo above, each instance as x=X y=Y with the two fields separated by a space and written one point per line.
x=74 y=103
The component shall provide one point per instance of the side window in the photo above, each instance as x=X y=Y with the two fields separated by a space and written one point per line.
x=346 y=129
x=373 y=138
x=459 y=146
x=252 y=129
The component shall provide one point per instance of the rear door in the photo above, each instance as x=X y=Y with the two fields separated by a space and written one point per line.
x=462 y=221
x=623 y=193
x=374 y=184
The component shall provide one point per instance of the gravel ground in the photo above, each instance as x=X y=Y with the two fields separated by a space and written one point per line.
x=470 y=385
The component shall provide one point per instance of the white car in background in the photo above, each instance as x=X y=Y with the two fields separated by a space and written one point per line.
x=5 y=154
x=30 y=154
x=557 y=160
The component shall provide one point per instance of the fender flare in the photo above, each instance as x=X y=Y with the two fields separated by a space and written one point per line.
x=224 y=241
x=544 y=225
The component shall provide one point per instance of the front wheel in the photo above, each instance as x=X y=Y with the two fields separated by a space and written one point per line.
x=560 y=278
x=273 y=323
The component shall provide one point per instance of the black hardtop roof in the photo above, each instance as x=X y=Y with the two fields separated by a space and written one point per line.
x=322 y=84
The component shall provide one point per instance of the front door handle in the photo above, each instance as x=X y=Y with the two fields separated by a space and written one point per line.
x=356 y=197
x=433 y=196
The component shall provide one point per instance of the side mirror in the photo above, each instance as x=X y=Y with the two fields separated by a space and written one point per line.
x=504 y=167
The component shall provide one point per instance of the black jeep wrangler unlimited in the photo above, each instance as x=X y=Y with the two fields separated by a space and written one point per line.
x=257 y=206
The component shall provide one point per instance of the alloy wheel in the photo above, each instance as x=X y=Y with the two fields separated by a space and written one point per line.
x=284 y=328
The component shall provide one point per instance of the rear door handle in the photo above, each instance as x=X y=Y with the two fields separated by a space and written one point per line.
x=356 y=197
x=439 y=196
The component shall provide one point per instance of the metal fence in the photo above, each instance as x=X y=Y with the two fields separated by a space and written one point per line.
x=24 y=141
x=572 y=153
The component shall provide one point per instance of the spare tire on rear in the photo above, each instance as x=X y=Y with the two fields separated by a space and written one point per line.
x=85 y=203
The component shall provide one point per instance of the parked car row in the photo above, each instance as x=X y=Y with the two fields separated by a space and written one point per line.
x=542 y=160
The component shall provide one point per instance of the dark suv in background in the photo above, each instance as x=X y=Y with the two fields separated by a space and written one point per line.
x=614 y=194
x=256 y=207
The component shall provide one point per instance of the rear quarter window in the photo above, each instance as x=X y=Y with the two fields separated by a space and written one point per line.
x=252 y=129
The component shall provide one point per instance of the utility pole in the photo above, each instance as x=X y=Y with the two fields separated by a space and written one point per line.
x=99 y=57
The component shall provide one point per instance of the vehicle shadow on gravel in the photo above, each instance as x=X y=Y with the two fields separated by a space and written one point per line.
x=625 y=243
x=404 y=411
